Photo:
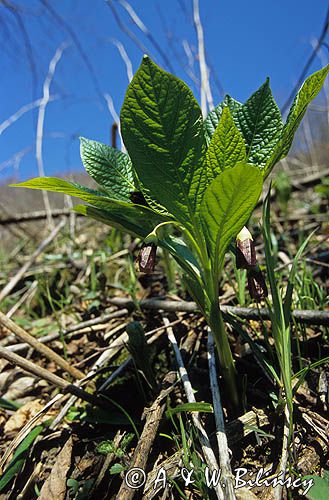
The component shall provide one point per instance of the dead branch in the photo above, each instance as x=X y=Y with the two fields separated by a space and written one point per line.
x=204 y=439
x=223 y=451
x=206 y=96
x=153 y=418
x=41 y=348
x=24 y=109
x=32 y=216
x=300 y=315
x=40 y=123
x=13 y=282
x=53 y=379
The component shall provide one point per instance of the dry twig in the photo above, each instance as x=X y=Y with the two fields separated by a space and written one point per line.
x=13 y=282
x=224 y=457
x=204 y=439
x=41 y=348
x=256 y=314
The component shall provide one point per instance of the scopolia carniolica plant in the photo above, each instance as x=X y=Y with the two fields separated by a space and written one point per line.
x=186 y=184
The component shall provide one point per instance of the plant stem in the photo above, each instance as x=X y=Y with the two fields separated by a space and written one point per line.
x=169 y=266
x=217 y=326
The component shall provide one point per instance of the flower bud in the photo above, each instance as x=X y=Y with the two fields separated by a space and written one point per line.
x=146 y=258
x=245 y=250
x=256 y=284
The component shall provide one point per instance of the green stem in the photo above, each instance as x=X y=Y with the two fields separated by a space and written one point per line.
x=217 y=326
x=169 y=270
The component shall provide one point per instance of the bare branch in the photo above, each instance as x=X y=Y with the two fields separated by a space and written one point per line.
x=124 y=57
x=224 y=457
x=115 y=116
x=206 y=96
x=24 y=109
x=40 y=123
x=204 y=439
x=126 y=30
x=61 y=22
x=139 y=23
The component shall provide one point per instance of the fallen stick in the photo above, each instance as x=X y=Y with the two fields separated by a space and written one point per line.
x=204 y=439
x=300 y=315
x=32 y=216
x=223 y=450
x=41 y=348
x=53 y=379
x=18 y=276
x=142 y=450
x=73 y=329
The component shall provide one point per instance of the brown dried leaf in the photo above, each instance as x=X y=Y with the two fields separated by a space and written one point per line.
x=20 y=388
x=22 y=416
x=55 y=485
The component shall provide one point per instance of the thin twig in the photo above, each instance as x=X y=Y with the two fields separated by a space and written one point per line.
x=13 y=282
x=115 y=116
x=53 y=379
x=142 y=450
x=224 y=457
x=206 y=96
x=125 y=58
x=257 y=314
x=32 y=216
x=205 y=443
x=24 y=109
x=40 y=123
x=26 y=429
x=320 y=41
x=139 y=23
x=278 y=490
x=38 y=346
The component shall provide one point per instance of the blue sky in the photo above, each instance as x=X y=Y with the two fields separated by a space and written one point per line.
x=246 y=41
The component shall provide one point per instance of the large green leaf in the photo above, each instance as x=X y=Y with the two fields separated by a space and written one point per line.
x=260 y=122
x=227 y=205
x=162 y=128
x=129 y=218
x=308 y=91
x=212 y=120
x=57 y=185
x=134 y=215
x=227 y=147
x=109 y=167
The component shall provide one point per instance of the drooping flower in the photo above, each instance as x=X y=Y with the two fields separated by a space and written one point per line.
x=146 y=258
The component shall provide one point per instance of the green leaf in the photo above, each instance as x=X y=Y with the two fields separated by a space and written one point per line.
x=20 y=456
x=189 y=407
x=56 y=185
x=116 y=469
x=320 y=488
x=109 y=167
x=212 y=120
x=9 y=405
x=308 y=91
x=161 y=124
x=227 y=205
x=260 y=122
x=291 y=280
x=133 y=219
x=227 y=147
x=183 y=255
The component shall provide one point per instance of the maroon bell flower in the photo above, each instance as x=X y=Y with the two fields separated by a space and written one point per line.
x=256 y=284
x=245 y=250
x=146 y=258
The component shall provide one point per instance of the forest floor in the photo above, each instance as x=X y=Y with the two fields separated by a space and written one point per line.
x=75 y=288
